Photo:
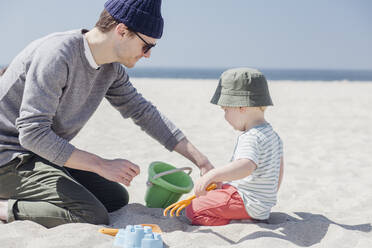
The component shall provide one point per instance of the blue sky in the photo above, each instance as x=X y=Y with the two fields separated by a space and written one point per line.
x=288 y=34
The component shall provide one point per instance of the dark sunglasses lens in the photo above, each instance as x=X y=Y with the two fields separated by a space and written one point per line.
x=147 y=48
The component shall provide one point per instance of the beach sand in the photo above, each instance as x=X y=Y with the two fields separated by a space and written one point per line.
x=326 y=196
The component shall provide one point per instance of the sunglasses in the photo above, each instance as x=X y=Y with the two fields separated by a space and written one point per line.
x=147 y=46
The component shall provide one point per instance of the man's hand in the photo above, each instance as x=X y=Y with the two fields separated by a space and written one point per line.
x=118 y=170
x=189 y=151
x=205 y=168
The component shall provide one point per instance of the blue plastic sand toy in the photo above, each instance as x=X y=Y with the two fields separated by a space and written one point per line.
x=137 y=237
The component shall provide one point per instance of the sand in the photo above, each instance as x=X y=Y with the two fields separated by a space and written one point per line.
x=326 y=195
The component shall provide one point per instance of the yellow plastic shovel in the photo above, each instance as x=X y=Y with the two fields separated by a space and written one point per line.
x=113 y=231
x=184 y=203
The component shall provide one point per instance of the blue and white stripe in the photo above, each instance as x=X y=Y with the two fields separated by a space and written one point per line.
x=263 y=146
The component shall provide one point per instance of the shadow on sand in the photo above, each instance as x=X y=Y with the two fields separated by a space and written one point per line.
x=306 y=230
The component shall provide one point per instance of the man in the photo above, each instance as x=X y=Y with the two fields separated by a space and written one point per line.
x=48 y=93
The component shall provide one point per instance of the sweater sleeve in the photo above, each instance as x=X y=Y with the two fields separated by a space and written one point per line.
x=45 y=79
x=125 y=98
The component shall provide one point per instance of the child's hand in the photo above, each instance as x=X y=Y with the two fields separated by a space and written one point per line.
x=219 y=185
x=202 y=183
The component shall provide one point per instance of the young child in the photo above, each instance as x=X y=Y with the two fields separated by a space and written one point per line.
x=256 y=168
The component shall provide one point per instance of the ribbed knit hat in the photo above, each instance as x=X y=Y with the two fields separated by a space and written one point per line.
x=240 y=87
x=143 y=16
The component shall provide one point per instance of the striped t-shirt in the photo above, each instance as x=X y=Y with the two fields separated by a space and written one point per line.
x=263 y=146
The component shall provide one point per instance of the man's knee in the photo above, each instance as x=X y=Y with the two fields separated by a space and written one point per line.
x=94 y=215
x=100 y=217
x=118 y=200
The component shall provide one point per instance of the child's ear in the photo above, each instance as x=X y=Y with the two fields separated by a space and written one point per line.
x=242 y=109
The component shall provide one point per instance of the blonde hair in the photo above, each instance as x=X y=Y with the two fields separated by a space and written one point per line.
x=262 y=108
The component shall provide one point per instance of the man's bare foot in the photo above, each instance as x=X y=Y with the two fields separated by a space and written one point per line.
x=4 y=210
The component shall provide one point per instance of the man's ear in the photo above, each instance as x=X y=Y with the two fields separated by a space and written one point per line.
x=121 y=29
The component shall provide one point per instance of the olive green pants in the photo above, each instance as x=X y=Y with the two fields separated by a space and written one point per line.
x=51 y=195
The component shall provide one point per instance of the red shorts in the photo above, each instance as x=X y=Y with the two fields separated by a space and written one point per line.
x=218 y=207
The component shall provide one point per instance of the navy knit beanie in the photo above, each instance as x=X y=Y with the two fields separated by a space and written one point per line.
x=142 y=16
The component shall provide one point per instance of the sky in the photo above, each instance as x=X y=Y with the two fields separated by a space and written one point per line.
x=285 y=34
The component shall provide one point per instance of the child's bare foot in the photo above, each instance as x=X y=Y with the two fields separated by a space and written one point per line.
x=4 y=210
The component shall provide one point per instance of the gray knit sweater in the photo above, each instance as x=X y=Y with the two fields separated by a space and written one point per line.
x=49 y=92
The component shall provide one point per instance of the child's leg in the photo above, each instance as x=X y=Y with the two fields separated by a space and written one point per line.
x=217 y=207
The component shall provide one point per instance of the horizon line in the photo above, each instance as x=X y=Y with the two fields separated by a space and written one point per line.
x=256 y=67
x=225 y=68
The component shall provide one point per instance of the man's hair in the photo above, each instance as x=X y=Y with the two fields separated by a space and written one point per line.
x=106 y=22
x=2 y=70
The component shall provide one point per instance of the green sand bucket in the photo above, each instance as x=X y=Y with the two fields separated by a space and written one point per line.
x=166 y=184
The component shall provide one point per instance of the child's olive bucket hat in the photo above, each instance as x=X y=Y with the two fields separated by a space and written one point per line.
x=242 y=87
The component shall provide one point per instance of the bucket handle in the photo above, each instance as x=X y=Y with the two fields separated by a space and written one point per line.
x=169 y=172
